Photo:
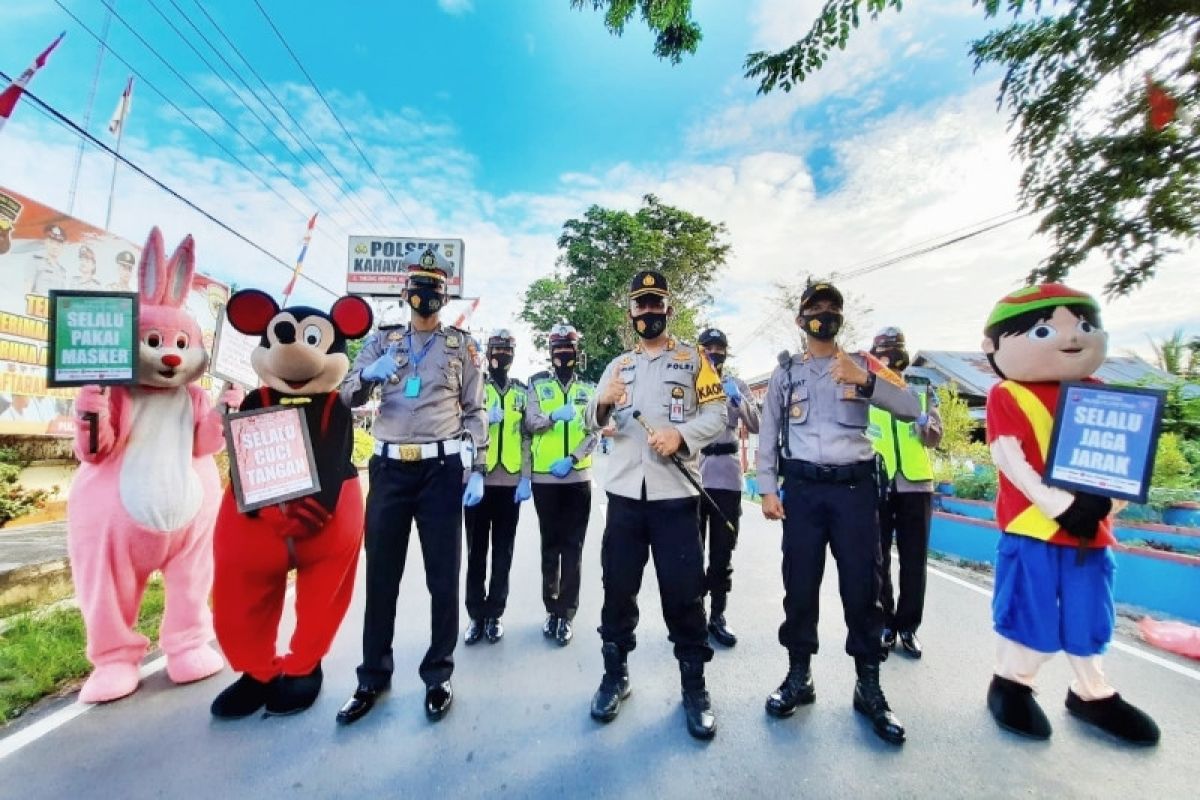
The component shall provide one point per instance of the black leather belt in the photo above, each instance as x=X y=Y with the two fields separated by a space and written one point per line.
x=724 y=449
x=828 y=473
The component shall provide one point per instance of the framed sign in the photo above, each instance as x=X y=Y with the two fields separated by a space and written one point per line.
x=231 y=354
x=1104 y=440
x=93 y=338
x=376 y=263
x=271 y=457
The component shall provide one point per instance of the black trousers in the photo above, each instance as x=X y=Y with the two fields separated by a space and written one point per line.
x=429 y=492
x=493 y=521
x=563 y=510
x=719 y=540
x=670 y=530
x=844 y=516
x=905 y=517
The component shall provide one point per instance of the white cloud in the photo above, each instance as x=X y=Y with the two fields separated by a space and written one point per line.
x=456 y=7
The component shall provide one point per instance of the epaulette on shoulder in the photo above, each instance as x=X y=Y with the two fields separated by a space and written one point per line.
x=518 y=382
x=544 y=375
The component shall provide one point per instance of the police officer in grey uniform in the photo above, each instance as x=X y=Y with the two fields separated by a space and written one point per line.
x=814 y=437
x=652 y=508
x=721 y=473
x=49 y=272
x=432 y=407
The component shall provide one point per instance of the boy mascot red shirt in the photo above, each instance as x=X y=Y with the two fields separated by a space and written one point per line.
x=301 y=361
x=1054 y=569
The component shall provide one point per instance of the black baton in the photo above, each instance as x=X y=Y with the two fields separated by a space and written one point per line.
x=684 y=470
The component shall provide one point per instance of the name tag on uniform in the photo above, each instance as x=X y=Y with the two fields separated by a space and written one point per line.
x=412 y=386
x=676 y=408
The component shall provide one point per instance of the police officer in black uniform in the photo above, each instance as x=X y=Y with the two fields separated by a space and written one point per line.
x=431 y=408
x=814 y=436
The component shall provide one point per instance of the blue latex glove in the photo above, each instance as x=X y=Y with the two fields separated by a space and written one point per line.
x=383 y=367
x=474 y=492
x=524 y=491
x=564 y=413
x=562 y=467
x=732 y=391
x=495 y=415
x=922 y=420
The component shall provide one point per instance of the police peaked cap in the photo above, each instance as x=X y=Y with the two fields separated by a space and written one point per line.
x=427 y=268
x=648 y=281
x=817 y=291
x=502 y=337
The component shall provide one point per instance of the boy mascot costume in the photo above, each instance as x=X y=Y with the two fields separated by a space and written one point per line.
x=301 y=360
x=1054 y=569
x=145 y=496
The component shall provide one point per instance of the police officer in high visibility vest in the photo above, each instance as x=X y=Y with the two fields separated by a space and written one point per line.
x=562 y=477
x=507 y=484
x=814 y=435
x=721 y=476
x=652 y=508
x=905 y=513
x=431 y=409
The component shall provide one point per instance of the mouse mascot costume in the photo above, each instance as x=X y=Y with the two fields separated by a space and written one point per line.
x=146 y=494
x=1054 y=569
x=301 y=361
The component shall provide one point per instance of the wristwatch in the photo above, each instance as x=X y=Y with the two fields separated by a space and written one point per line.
x=868 y=388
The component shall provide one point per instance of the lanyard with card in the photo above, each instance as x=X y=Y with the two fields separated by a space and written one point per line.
x=412 y=384
x=676 y=408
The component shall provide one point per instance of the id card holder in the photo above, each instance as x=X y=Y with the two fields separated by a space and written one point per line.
x=412 y=386
x=676 y=414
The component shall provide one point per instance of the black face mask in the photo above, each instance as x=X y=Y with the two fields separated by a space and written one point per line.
x=564 y=364
x=500 y=362
x=717 y=359
x=823 y=326
x=650 y=324
x=425 y=301
x=896 y=359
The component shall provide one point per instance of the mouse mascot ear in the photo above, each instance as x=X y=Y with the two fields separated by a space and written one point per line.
x=249 y=311
x=352 y=316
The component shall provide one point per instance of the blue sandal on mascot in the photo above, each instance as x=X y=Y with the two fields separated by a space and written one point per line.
x=1054 y=568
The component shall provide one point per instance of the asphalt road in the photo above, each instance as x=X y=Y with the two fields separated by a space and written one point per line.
x=520 y=726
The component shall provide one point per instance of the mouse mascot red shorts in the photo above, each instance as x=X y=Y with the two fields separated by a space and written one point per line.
x=1054 y=568
x=301 y=361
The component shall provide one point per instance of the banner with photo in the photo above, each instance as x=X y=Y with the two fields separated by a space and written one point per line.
x=43 y=249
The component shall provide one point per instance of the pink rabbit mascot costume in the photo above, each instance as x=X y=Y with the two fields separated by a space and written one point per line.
x=147 y=498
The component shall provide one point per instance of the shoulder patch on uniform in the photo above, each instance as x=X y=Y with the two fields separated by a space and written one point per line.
x=708 y=384
x=539 y=376
x=625 y=361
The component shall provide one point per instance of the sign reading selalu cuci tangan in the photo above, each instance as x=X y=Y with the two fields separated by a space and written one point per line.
x=376 y=264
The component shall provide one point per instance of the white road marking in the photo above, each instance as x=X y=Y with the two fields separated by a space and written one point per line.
x=1137 y=652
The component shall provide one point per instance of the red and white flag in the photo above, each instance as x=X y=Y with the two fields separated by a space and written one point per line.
x=122 y=110
x=10 y=96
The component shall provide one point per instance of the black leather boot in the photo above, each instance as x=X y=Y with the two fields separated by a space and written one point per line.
x=550 y=626
x=797 y=688
x=614 y=686
x=474 y=632
x=870 y=702
x=717 y=628
x=493 y=628
x=701 y=722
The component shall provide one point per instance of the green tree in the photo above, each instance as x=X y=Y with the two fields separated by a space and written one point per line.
x=1106 y=174
x=1171 y=467
x=600 y=254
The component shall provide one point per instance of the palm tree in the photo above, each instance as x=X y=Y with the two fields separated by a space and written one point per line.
x=1176 y=355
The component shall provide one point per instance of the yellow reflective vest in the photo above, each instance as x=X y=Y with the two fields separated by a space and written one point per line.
x=562 y=438
x=505 y=437
x=900 y=444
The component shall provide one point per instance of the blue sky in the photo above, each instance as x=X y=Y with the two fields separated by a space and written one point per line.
x=496 y=120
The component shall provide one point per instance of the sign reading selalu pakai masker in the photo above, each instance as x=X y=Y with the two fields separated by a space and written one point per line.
x=376 y=263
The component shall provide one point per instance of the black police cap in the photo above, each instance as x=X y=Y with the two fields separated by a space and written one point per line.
x=712 y=336
x=818 y=291
x=648 y=281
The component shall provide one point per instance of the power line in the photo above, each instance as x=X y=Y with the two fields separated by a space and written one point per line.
x=336 y=118
x=189 y=118
x=54 y=114
x=270 y=131
x=364 y=212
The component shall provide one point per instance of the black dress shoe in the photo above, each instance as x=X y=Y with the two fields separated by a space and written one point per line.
x=241 y=698
x=719 y=630
x=550 y=627
x=1115 y=716
x=1014 y=709
x=474 y=632
x=910 y=644
x=797 y=689
x=565 y=632
x=438 y=698
x=291 y=694
x=359 y=705
x=493 y=628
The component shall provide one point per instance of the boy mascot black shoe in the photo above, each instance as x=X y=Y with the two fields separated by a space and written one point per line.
x=1115 y=716
x=1015 y=710
x=291 y=694
x=241 y=698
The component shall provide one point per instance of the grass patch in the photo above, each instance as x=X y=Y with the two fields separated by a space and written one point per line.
x=40 y=654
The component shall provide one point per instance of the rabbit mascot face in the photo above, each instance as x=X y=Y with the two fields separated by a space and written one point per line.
x=145 y=498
